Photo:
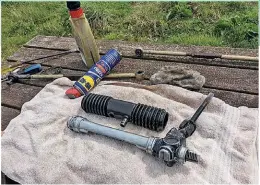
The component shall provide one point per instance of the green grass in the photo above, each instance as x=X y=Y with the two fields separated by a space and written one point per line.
x=232 y=24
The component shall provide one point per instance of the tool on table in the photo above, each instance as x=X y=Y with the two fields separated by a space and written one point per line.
x=142 y=115
x=16 y=76
x=141 y=52
x=83 y=34
x=10 y=68
x=31 y=69
x=170 y=149
x=139 y=75
x=12 y=77
x=34 y=71
x=95 y=74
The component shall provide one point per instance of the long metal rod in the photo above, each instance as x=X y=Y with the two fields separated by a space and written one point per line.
x=121 y=75
x=52 y=76
x=141 y=52
x=137 y=75
x=80 y=124
x=201 y=107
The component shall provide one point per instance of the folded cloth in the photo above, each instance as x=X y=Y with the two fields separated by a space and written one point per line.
x=37 y=146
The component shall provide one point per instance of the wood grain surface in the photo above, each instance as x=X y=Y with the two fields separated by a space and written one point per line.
x=235 y=82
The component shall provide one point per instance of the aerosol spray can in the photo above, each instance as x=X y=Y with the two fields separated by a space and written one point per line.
x=95 y=74
x=83 y=34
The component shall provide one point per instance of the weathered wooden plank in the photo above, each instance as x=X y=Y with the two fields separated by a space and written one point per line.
x=23 y=55
x=241 y=80
x=17 y=94
x=208 y=62
x=234 y=98
x=54 y=42
x=72 y=60
x=7 y=115
x=216 y=77
x=127 y=49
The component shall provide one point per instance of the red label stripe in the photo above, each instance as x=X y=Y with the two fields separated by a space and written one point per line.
x=76 y=13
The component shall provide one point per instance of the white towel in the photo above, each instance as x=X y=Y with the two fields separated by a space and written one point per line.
x=37 y=146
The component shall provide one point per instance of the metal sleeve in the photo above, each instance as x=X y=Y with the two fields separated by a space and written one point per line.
x=80 y=124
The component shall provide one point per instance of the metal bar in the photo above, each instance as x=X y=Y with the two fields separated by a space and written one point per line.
x=121 y=75
x=201 y=108
x=237 y=57
x=139 y=75
x=140 y=52
x=46 y=76
x=165 y=53
x=80 y=124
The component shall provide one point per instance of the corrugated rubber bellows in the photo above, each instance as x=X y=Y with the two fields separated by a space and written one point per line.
x=142 y=115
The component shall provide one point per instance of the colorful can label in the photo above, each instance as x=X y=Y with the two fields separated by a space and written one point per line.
x=97 y=72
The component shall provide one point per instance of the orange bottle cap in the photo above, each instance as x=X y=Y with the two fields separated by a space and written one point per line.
x=73 y=93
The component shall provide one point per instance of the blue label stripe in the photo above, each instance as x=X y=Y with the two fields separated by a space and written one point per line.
x=110 y=59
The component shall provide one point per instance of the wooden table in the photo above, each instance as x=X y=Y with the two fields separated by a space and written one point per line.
x=235 y=82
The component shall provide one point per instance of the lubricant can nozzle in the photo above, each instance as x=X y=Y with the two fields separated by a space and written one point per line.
x=83 y=34
x=95 y=74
